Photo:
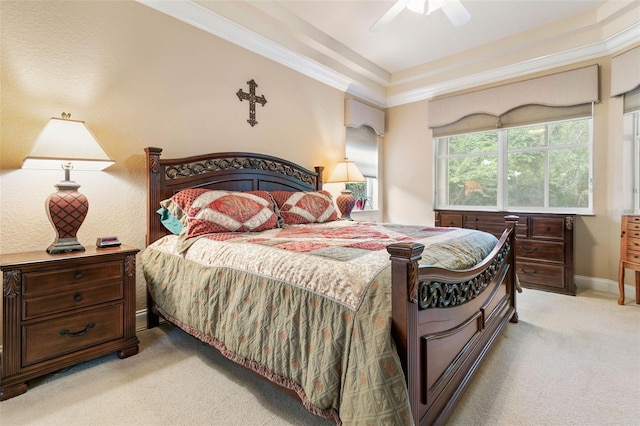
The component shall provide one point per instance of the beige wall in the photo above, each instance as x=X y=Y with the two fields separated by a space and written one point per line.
x=138 y=78
x=597 y=237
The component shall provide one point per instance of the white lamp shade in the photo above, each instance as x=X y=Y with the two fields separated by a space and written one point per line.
x=66 y=141
x=346 y=171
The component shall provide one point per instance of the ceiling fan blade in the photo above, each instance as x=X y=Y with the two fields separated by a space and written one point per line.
x=456 y=12
x=389 y=16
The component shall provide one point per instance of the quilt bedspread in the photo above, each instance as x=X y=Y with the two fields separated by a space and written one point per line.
x=316 y=319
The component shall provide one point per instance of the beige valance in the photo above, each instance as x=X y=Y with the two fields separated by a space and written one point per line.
x=568 y=88
x=625 y=72
x=358 y=114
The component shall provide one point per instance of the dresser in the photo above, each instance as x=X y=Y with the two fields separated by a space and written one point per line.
x=63 y=309
x=544 y=244
x=629 y=253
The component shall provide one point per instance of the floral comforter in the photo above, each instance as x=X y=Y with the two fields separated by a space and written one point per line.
x=308 y=306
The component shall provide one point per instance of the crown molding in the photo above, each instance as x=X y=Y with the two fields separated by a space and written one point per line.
x=609 y=46
x=213 y=23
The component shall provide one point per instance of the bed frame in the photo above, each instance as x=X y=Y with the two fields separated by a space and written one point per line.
x=444 y=322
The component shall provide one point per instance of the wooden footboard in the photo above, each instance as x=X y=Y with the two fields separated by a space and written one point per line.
x=444 y=322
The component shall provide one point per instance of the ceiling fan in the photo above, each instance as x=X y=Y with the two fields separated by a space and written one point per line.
x=455 y=11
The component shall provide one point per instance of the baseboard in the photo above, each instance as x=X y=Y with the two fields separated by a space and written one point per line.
x=141 y=320
x=604 y=285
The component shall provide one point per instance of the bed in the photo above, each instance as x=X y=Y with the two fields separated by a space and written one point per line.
x=358 y=320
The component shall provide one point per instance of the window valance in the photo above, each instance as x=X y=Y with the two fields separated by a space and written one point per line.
x=358 y=114
x=625 y=72
x=563 y=89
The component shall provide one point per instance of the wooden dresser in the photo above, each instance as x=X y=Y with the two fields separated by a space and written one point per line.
x=544 y=246
x=62 y=309
x=629 y=253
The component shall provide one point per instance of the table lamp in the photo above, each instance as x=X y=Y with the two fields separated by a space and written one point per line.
x=66 y=144
x=346 y=172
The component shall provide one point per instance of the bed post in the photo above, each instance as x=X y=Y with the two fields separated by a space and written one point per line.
x=319 y=179
x=153 y=194
x=512 y=222
x=153 y=225
x=404 y=311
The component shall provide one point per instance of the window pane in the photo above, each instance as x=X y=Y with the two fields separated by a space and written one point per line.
x=570 y=132
x=527 y=137
x=363 y=193
x=525 y=179
x=475 y=142
x=569 y=177
x=473 y=181
x=542 y=166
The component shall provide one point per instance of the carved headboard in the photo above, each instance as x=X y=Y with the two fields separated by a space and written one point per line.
x=233 y=171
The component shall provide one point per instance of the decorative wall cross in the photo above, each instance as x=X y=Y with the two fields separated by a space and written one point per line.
x=252 y=98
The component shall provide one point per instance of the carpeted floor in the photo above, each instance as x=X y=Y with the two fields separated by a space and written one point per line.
x=570 y=361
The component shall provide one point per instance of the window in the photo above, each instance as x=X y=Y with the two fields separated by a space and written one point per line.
x=541 y=167
x=362 y=149
x=631 y=163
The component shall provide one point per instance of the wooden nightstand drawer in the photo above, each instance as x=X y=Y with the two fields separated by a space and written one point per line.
x=84 y=275
x=85 y=295
x=547 y=227
x=55 y=337
x=538 y=250
x=543 y=275
x=451 y=220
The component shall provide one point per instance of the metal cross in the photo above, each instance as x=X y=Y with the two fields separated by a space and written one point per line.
x=252 y=98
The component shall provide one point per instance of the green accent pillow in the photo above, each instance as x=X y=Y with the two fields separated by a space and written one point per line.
x=169 y=221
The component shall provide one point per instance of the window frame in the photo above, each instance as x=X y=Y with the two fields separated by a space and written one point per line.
x=632 y=200
x=502 y=154
x=372 y=183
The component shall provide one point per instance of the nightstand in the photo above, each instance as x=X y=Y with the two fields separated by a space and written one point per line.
x=63 y=309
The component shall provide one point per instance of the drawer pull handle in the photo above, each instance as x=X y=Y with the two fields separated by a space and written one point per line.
x=78 y=298
x=78 y=276
x=79 y=333
x=527 y=250
x=527 y=272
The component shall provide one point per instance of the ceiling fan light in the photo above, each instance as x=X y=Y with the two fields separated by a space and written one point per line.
x=416 y=6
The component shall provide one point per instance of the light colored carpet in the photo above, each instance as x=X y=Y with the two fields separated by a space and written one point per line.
x=570 y=361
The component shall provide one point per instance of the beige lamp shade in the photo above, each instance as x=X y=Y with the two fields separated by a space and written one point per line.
x=346 y=171
x=64 y=141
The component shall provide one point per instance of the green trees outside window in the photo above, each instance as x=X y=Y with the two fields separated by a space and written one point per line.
x=539 y=167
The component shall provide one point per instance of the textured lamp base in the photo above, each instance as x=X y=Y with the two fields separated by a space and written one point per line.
x=67 y=209
x=64 y=245
x=345 y=202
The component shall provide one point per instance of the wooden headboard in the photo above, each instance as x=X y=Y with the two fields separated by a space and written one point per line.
x=232 y=171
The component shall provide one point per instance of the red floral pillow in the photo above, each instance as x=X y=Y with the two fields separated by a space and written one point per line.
x=210 y=211
x=305 y=207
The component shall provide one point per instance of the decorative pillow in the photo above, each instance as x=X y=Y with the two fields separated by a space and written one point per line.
x=210 y=211
x=169 y=221
x=305 y=207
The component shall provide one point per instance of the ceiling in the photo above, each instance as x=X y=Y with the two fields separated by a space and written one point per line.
x=415 y=56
